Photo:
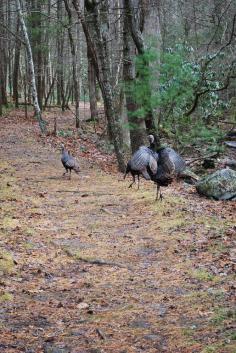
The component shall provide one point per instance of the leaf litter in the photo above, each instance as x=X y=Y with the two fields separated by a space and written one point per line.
x=88 y=265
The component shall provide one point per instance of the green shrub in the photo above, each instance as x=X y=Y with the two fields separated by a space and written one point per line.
x=168 y=83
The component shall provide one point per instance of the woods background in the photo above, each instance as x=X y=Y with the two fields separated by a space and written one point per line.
x=87 y=264
x=155 y=66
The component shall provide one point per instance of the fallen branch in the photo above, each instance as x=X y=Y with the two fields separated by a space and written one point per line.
x=98 y=262
x=101 y=262
x=74 y=191
x=100 y=334
x=201 y=158
x=35 y=162
x=105 y=210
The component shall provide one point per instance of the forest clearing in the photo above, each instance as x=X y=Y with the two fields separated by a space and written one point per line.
x=117 y=176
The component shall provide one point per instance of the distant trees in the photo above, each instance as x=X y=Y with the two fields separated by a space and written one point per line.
x=161 y=66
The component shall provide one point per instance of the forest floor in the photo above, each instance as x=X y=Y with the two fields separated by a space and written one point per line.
x=88 y=265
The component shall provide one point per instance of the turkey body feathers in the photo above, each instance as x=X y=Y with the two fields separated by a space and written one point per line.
x=170 y=164
x=143 y=159
x=68 y=161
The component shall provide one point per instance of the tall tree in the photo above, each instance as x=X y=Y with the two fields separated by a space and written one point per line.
x=3 y=56
x=37 y=109
x=60 y=58
x=75 y=77
x=36 y=35
x=95 y=24
x=92 y=87
x=136 y=123
x=136 y=12
x=16 y=66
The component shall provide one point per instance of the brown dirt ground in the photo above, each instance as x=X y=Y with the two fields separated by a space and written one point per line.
x=88 y=265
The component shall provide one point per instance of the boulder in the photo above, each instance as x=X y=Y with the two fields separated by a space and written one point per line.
x=220 y=185
x=231 y=144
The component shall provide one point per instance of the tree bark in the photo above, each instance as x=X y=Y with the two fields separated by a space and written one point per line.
x=136 y=124
x=16 y=67
x=152 y=37
x=36 y=40
x=49 y=92
x=96 y=33
x=136 y=26
x=74 y=65
x=92 y=88
x=42 y=123
x=3 y=59
x=2 y=79
x=60 y=61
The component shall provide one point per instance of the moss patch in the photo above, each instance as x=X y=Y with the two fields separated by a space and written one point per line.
x=5 y=297
x=9 y=223
x=6 y=262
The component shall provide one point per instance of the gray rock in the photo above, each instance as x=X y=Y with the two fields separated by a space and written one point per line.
x=230 y=144
x=220 y=185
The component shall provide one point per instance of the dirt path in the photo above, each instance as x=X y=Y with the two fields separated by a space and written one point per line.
x=102 y=268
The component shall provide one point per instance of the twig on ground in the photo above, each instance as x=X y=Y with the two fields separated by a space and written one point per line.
x=201 y=158
x=98 y=262
x=100 y=334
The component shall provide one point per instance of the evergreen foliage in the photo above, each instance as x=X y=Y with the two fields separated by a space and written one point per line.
x=176 y=78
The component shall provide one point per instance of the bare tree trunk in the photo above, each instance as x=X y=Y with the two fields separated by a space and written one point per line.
x=3 y=59
x=67 y=94
x=49 y=92
x=152 y=38
x=2 y=88
x=96 y=33
x=36 y=40
x=9 y=67
x=2 y=79
x=25 y=93
x=92 y=88
x=60 y=61
x=136 y=25
x=0 y=104
x=74 y=65
x=41 y=122
x=136 y=124
x=16 y=67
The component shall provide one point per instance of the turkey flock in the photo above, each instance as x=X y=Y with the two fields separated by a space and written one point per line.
x=158 y=164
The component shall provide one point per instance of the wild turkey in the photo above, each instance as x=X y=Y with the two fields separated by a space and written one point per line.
x=154 y=143
x=143 y=159
x=68 y=161
x=161 y=167
x=169 y=165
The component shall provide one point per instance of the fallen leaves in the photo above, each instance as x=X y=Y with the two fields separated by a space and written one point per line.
x=101 y=268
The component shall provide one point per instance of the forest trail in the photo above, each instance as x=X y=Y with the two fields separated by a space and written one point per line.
x=101 y=268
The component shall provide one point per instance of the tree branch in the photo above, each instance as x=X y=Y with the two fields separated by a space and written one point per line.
x=199 y=94
x=134 y=28
x=12 y=33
